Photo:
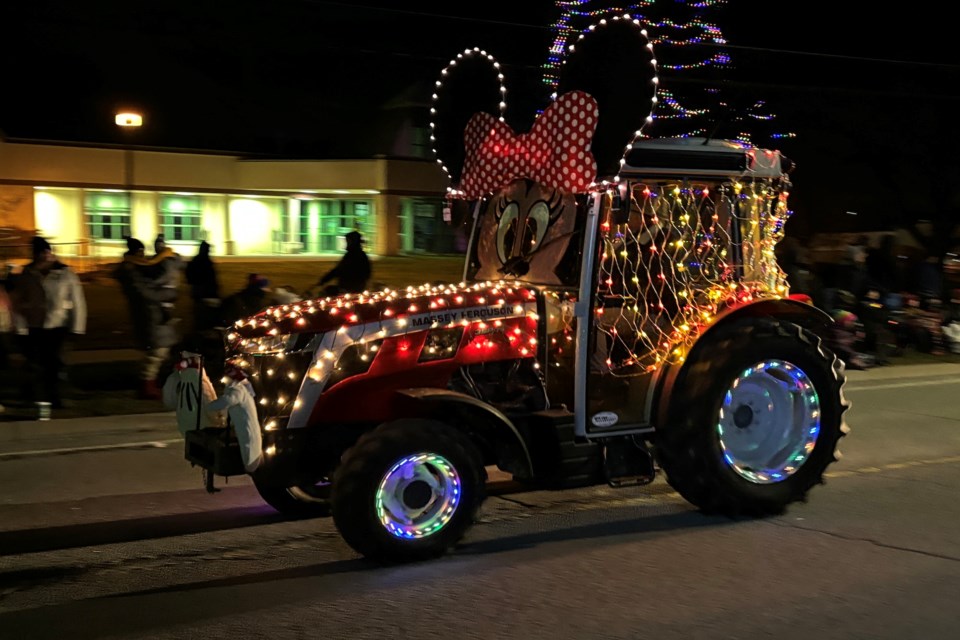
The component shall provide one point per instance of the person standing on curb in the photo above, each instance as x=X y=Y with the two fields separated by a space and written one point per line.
x=146 y=283
x=48 y=304
x=166 y=276
x=204 y=289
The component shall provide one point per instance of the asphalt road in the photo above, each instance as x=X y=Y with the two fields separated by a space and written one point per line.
x=118 y=539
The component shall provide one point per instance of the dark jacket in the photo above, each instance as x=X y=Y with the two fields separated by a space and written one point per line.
x=202 y=277
x=352 y=272
x=245 y=303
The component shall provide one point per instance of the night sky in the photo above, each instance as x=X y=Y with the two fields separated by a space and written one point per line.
x=288 y=77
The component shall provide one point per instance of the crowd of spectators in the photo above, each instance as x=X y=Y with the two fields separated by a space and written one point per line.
x=42 y=306
x=885 y=299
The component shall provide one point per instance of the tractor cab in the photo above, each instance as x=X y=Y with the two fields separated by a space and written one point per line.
x=629 y=275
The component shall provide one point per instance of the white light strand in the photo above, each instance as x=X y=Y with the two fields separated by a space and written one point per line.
x=467 y=53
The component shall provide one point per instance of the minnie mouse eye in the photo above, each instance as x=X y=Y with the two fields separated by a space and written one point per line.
x=507 y=231
x=536 y=226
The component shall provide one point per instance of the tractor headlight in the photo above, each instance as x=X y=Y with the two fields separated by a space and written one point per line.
x=271 y=345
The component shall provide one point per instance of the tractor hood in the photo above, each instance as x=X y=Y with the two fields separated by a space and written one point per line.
x=345 y=358
x=391 y=311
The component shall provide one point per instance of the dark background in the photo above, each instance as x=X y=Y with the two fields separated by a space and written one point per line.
x=870 y=93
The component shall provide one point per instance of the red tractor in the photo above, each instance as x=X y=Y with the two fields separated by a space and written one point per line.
x=602 y=329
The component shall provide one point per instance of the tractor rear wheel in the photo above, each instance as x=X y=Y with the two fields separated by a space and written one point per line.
x=754 y=419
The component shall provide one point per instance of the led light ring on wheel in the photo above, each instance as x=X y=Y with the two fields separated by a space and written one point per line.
x=769 y=421
x=423 y=477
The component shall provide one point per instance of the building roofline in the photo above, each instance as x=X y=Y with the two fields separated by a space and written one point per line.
x=133 y=147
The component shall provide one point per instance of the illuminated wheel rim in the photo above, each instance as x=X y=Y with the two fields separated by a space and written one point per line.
x=418 y=496
x=769 y=422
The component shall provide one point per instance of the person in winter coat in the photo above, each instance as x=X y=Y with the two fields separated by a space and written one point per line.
x=150 y=286
x=253 y=298
x=238 y=401
x=165 y=271
x=48 y=304
x=204 y=289
x=353 y=270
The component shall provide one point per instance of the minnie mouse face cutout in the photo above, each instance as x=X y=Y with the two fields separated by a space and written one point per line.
x=606 y=92
x=525 y=232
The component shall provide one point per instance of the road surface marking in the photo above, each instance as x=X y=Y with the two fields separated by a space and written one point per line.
x=153 y=444
x=893 y=466
x=898 y=385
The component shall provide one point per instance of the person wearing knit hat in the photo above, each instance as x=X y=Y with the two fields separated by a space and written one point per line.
x=134 y=247
x=257 y=281
x=40 y=246
x=48 y=304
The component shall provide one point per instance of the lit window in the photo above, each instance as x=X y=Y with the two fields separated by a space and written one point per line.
x=180 y=217
x=107 y=214
x=324 y=222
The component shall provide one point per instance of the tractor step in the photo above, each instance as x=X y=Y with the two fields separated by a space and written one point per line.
x=628 y=463
x=560 y=459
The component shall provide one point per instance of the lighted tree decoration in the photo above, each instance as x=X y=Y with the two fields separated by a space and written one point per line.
x=687 y=44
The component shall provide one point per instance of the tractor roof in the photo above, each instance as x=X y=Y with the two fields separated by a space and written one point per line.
x=701 y=157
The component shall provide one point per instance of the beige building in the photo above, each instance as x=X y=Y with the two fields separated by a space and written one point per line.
x=87 y=200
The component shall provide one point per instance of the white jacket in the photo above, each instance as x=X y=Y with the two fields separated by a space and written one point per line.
x=952 y=331
x=66 y=306
x=241 y=408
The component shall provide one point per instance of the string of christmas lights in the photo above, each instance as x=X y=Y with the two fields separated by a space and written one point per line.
x=574 y=14
x=452 y=192
x=491 y=321
x=674 y=38
x=666 y=273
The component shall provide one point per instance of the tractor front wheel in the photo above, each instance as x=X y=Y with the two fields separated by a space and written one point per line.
x=407 y=491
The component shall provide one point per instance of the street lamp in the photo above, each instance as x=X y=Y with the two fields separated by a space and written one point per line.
x=128 y=120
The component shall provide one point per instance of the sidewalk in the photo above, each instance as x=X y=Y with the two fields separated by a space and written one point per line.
x=68 y=435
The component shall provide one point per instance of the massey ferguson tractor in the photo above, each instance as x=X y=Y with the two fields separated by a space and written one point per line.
x=620 y=312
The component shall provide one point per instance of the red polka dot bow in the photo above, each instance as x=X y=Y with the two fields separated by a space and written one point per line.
x=556 y=152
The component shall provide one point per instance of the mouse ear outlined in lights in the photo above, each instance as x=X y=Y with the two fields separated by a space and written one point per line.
x=606 y=93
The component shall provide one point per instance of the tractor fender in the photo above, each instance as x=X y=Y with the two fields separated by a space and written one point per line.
x=488 y=421
x=801 y=313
